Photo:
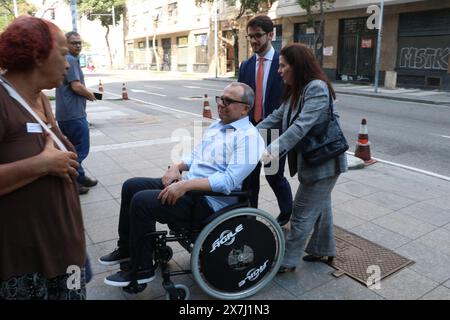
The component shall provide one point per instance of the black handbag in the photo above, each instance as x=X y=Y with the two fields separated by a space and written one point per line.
x=324 y=141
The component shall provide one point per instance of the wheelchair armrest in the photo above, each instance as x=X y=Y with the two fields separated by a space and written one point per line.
x=197 y=193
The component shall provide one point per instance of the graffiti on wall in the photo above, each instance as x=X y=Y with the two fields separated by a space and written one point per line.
x=424 y=58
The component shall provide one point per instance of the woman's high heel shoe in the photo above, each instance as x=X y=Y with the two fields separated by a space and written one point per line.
x=313 y=258
x=285 y=269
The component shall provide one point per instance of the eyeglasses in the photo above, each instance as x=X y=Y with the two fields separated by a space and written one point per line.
x=75 y=43
x=227 y=101
x=255 y=36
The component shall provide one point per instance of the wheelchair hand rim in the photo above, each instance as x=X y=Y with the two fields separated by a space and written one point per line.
x=269 y=221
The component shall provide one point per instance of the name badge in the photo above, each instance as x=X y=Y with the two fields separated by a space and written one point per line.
x=34 y=128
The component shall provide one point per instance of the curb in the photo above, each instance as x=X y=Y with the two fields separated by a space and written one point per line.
x=362 y=94
x=354 y=163
x=220 y=79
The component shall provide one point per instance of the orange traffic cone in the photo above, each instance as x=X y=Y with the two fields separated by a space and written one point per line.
x=100 y=86
x=124 y=92
x=206 y=108
x=362 y=150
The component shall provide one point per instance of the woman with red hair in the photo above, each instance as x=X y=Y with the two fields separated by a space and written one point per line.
x=306 y=110
x=42 y=244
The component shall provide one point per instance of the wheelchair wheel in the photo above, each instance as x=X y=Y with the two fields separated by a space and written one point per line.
x=182 y=293
x=237 y=254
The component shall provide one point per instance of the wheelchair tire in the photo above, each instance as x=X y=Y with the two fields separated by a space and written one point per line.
x=229 y=262
x=183 y=293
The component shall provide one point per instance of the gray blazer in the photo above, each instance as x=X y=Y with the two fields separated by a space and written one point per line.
x=315 y=111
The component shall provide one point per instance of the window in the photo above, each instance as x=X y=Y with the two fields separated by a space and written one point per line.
x=172 y=10
x=304 y=34
x=150 y=43
x=133 y=21
x=277 y=37
x=182 y=52
x=182 y=41
x=201 y=48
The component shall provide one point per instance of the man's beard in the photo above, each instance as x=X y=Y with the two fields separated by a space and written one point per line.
x=262 y=48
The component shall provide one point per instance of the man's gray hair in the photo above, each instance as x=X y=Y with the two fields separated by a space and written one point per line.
x=248 y=96
x=72 y=33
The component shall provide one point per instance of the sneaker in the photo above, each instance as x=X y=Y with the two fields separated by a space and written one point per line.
x=114 y=258
x=82 y=189
x=124 y=278
x=87 y=182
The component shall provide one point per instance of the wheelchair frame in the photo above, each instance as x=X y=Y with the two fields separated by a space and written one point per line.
x=248 y=274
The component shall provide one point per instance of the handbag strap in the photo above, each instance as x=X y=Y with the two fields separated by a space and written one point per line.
x=300 y=106
x=15 y=95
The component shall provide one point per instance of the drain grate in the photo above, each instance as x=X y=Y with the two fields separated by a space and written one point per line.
x=360 y=258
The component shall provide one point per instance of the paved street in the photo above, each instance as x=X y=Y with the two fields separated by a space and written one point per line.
x=404 y=211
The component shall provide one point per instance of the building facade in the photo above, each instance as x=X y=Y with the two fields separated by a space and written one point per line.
x=415 y=49
x=171 y=35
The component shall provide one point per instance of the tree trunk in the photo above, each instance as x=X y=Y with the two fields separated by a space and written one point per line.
x=155 y=51
x=236 y=53
x=108 y=46
x=321 y=36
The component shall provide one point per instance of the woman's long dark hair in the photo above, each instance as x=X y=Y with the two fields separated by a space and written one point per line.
x=305 y=68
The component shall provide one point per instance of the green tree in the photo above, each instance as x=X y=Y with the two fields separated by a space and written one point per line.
x=102 y=10
x=314 y=8
x=7 y=11
x=247 y=7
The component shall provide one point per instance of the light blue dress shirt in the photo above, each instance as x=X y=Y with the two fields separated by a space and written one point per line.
x=227 y=154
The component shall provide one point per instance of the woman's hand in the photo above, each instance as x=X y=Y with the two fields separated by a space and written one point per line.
x=266 y=157
x=173 y=192
x=59 y=163
x=171 y=175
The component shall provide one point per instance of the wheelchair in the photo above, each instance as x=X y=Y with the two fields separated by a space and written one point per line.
x=235 y=252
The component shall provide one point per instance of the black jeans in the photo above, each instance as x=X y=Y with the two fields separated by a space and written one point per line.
x=140 y=209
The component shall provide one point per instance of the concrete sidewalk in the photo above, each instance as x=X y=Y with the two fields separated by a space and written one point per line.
x=404 y=211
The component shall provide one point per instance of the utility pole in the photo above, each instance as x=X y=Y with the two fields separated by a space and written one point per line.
x=113 y=16
x=16 y=10
x=377 y=61
x=73 y=10
x=147 y=50
x=216 y=42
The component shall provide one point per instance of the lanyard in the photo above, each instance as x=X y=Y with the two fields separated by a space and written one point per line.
x=13 y=93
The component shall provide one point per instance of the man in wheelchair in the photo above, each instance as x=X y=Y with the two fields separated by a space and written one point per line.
x=227 y=154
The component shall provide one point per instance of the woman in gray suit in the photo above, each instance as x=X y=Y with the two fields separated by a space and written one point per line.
x=305 y=104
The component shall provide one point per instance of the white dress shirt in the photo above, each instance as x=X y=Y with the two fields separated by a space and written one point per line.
x=267 y=63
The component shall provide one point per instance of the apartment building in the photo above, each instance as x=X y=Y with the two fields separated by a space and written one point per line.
x=415 y=48
x=95 y=48
x=174 y=34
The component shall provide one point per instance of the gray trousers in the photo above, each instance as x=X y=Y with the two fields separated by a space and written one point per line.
x=312 y=210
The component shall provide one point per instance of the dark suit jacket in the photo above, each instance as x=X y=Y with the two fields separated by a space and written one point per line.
x=274 y=87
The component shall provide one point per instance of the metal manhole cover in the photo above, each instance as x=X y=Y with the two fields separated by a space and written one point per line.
x=358 y=257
